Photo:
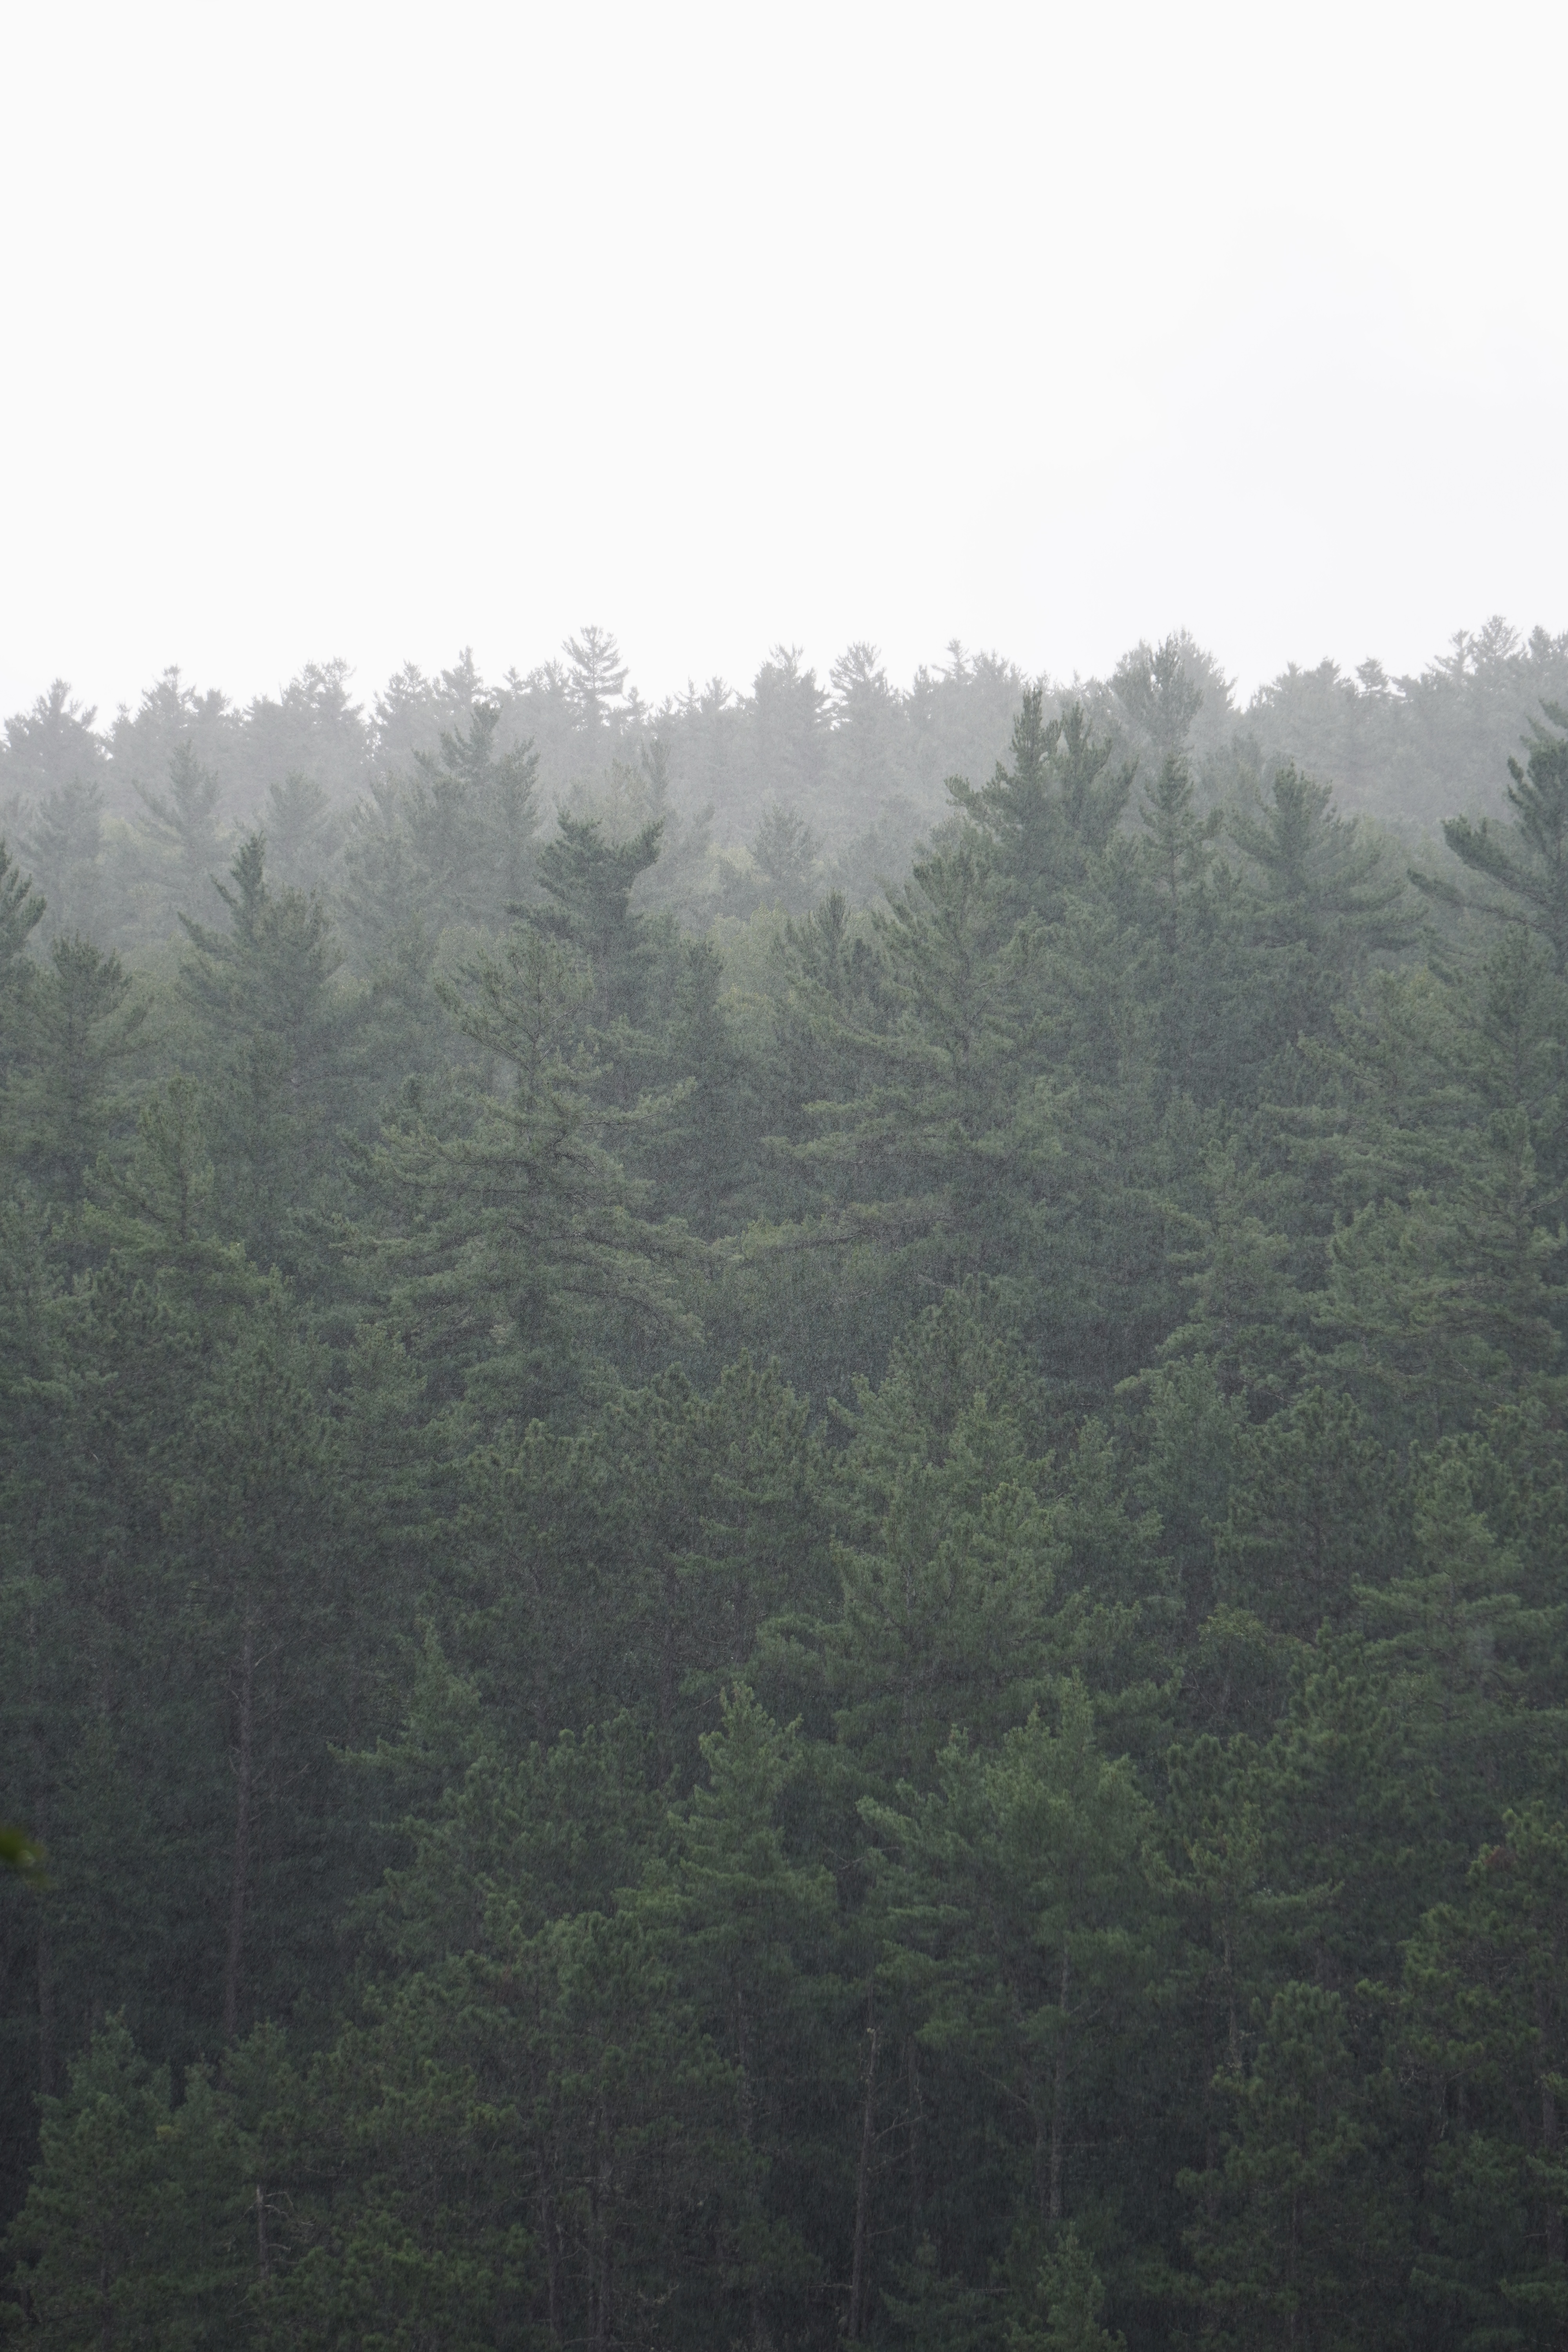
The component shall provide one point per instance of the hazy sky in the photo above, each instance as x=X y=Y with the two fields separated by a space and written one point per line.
x=375 y=331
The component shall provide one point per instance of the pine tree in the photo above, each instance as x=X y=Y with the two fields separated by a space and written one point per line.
x=447 y=842
x=1528 y=862
x=514 y=1235
x=1020 y=1890
x=590 y=880
x=85 y=1024
x=1295 y=2249
x=950 y=1551
x=247 y=1515
x=21 y=912
x=1471 y=1656
x=748 y=1936
x=1157 y=688
x=1068 y=2298
x=1318 y=904
x=1314 y=1511
x=1049 y=819
x=596 y=676
x=182 y=837
x=303 y=832
x=787 y=856
x=137 y=2229
x=64 y=845
x=274 y=1043
x=1483 y=2013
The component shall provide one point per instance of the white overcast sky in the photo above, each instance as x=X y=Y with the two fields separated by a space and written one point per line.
x=378 y=331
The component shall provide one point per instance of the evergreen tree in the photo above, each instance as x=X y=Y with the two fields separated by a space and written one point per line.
x=747 y=1929
x=1294 y=2249
x=1528 y=862
x=280 y=1082
x=449 y=841
x=589 y=881
x=596 y=676
x=84 y=1026
x=1022 y=1905
x=517 y=1237
x=138 y=2228
x=950 y=1553
x=1318 y=904
x=1068 y=2298
x=21 y=912
x=1050 y=817
x=1482 y=2015
x=65 y=845
x=182 y=838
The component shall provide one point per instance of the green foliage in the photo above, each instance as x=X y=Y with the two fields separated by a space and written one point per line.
x=21 y=912
x=21 y=1853
x=1483 y=2015
x=63 y=1106
x=448 y=841
x=1292 y=2245
x=834 y=1613
x=1528 y=862
x=139 y=2228
x=278 y=1072
x=1069 y=2297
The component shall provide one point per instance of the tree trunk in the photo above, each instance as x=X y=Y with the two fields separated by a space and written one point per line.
x=1059 y=2100
x=863 y=2188
x=241 y=1836
x=1210 y=2151
x=917 y=2113
x=671 y=1583
x=45 y=2012
x=1549 y=2139
x=1233 y=2023
x=746 y=2103
x=551 y=2238
x=40 y=1825
x=599 y=2245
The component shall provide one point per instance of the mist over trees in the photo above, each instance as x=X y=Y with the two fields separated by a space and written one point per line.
x=785 y=1501
x=773 y=795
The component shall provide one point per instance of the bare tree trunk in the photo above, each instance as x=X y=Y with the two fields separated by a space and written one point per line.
x=599 y=2251
x=40 y=1825
x=263 y=2260
x=1549 y=2141
x=1211 y=2153
x=1233 y=2023
x=863 y=2188
x=747 y=2105
x=241 y=1835
x=551 y=2238
x=667 y=1665
x=46 y=2012
x=917 y=2116
x=1059 y=2100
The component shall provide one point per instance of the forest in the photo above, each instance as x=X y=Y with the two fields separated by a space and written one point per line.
x=784 y=1497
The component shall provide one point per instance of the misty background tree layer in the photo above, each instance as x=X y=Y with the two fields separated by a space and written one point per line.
x=785 y=1500
x=772 y=797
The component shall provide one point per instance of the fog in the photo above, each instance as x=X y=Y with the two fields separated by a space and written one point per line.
x=334 y=334
x=783 y=1182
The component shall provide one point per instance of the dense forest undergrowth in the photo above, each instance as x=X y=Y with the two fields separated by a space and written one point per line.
x=785 y=1500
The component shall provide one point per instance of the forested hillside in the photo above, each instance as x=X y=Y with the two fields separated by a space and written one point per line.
x=785 y=1501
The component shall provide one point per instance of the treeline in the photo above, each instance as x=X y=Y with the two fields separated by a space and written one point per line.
x=845 y=1625
x=776 y=796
